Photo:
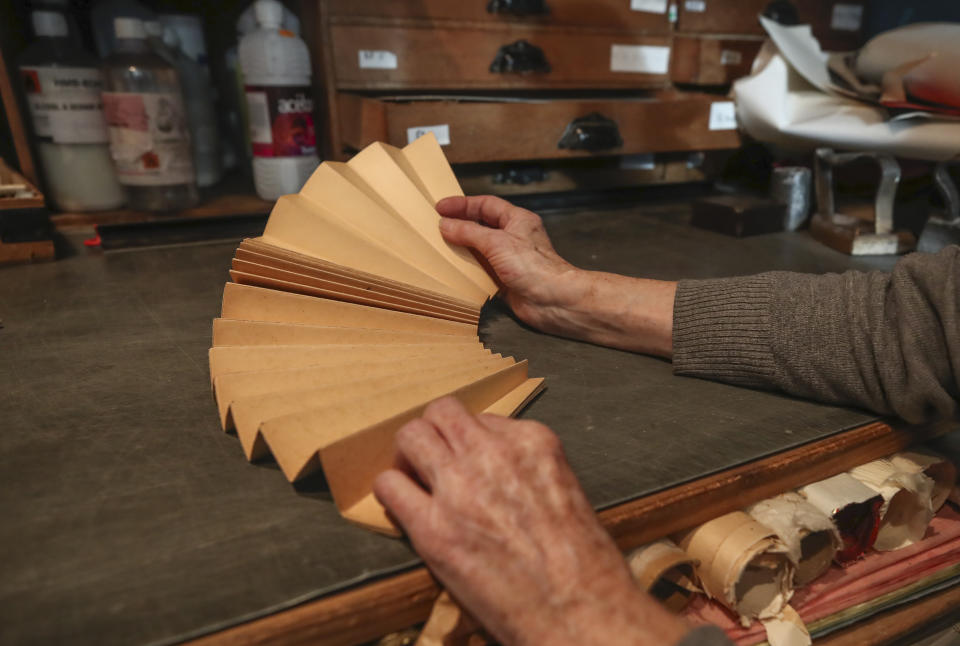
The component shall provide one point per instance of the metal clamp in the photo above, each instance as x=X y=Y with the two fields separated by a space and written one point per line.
x=831 y=226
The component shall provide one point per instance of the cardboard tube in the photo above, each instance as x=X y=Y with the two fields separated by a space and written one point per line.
x=809 y=535
x=854 y=509
x=907 y=503
x=742 y=564
x=933 y=465
x=665 y=571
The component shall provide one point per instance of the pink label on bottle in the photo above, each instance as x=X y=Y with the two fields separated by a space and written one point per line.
x=281 y=121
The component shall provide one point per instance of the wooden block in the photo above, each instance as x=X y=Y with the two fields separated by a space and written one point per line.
x=738 y=215
x=18 y=253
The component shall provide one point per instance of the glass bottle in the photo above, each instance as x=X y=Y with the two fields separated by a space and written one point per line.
x=149 y=134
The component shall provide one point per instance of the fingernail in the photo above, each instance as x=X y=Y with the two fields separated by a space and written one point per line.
x=445 y=224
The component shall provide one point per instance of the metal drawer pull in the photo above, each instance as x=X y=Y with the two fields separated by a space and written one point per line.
x=593 y=132
x=519 y=58
x=518 y=7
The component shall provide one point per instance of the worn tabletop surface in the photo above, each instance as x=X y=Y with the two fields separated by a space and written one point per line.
x=129 y=517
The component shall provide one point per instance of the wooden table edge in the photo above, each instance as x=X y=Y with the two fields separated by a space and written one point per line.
x=396 y=602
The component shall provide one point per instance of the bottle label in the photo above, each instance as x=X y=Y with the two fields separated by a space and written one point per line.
x=65 y=104
x=281 y=121
x=149 y=140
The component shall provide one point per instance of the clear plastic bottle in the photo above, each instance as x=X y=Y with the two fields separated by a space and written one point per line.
x=149 y=134
x=199 y=99
x=63 y=84
x=276 y=73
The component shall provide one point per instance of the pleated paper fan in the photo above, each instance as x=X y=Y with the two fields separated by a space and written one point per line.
x=348 y=316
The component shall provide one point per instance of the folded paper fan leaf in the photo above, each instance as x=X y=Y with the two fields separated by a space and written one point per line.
x=348 y=317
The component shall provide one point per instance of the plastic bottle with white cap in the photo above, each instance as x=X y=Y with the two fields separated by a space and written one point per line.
x=147 y=122
x=62 y=84
x=276 y=74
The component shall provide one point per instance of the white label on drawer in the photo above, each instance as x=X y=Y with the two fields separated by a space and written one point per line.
x=377 y=59
x=846 y=17
x=695 y=6
x=723 y=116
x=730 y=57
x=441 y=132
x=649 y=59
x=649 y=6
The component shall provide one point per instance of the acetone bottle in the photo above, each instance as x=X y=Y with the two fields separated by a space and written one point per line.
x=62 y=84
x=149 y=134
x=276 y=74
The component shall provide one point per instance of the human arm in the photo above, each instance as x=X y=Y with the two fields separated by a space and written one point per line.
x=498 y=516
x=549 y=293
x=887 y=342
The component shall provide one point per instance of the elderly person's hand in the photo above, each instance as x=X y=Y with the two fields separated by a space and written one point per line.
x=495 y=511
x=549 y=293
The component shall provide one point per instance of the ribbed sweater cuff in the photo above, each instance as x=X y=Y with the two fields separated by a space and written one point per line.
x=721 y=329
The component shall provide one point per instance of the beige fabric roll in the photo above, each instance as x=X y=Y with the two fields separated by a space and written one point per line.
x=665 y=571
x=742 y=564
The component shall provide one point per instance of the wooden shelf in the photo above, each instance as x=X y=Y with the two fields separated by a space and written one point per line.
x=234 y=195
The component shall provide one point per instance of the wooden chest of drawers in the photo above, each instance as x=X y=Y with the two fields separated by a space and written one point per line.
x=501 y=80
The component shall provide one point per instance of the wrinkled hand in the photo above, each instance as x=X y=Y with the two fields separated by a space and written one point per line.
x=535 y=281
x=495 y=511
x=549 y=293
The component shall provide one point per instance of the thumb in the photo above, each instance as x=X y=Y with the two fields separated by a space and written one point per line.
x=469 y=234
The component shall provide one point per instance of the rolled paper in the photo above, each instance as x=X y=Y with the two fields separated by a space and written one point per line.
x=854 y=509
x=936 y=467
x=787 y=629
x=741 y=564
x=809 y=535
x=907 y=508
x=665 y=571
x=449 y=625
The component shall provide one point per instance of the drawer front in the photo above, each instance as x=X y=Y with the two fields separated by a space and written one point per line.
x=494 y=131
x=837 y=25
x=632 y=15
x=397 y=58
x=720 y=16
x=710 y=60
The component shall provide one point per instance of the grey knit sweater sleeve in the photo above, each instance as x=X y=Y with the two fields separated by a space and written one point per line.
x=887 y=342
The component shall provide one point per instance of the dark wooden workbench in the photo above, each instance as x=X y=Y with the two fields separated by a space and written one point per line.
x=129 y=517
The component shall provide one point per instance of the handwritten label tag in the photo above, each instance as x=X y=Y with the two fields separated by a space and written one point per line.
x=695 y=6
x=649 y=6
x=441 y=132
x=730 y=57
x=648 y=59
x=846 y=17
x=723 y=116
x=377 y=59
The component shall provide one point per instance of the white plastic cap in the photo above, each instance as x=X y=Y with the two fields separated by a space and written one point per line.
x=49 y=23
x=269 y=13
x=153 y=28
x=129 y=28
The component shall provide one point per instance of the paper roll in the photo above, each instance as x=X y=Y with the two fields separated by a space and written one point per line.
x=742 y=564
x=665 y=571
x=907 y=503
x=936 y=467
x=854 y=509
x=449 y=625
x=809 y=535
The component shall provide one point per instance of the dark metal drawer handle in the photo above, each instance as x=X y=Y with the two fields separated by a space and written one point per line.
x=593 y=132
x=519 y=7
x=519 y=58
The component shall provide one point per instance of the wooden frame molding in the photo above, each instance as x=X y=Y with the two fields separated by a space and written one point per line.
x=375 y=609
